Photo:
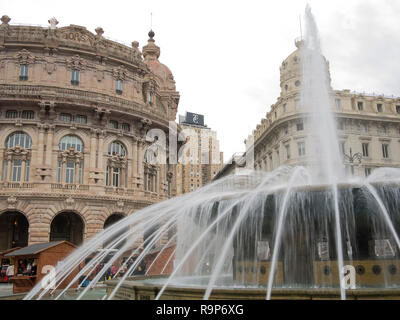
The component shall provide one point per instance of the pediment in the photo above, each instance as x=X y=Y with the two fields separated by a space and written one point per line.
x=77 y=34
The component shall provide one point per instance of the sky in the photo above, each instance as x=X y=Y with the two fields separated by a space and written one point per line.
x=225 y=54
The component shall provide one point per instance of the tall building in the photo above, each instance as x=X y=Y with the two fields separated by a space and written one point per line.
x=199 y=159
x=368 y=126
x=75 y=110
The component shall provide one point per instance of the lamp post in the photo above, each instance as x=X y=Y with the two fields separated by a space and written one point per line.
x=352 y=158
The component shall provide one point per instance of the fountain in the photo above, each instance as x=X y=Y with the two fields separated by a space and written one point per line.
x=295 y=232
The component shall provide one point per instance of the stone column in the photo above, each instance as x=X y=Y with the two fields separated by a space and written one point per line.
x=49 y=144
x=77 y=172
x=134 y=162
x=9 y=168
x=39 y=157
x=23 y=170
x=62 y=176
x=92 y=161
x=100 y=151
x=141 y=146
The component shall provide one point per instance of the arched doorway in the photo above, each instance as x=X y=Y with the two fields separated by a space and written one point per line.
x=14 y=230
x=67 y=226
x=112 y=219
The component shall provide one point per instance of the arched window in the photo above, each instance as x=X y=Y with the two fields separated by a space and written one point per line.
x=116 y=148
x=71 y=141
x=116 y=173
x=70 y=164
x=19 y=139
x=16 y=164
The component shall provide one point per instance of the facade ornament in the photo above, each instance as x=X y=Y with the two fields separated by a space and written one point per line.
x=5 y=20
x=53 y=23
x=76 y=62
x=145 y=125
x=24 y=57
x=50 y=65
x=117 y=161
x=71 y=154
x=119 y=73
x=136 y=54
x=99 y=32
x=120 y=204
x=12 y=202
x=17 y=152
x=69 y=202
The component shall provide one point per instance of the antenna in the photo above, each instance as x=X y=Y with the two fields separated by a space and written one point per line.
x=151 y=20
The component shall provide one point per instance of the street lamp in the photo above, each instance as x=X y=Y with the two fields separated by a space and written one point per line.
x=352 y=158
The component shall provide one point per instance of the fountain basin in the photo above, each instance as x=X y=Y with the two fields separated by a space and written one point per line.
x=136 y=288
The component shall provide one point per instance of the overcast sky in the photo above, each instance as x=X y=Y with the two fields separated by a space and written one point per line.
x=225 y=54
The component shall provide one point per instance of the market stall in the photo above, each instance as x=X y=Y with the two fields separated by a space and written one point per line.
x=32 y=263
x=5 y=263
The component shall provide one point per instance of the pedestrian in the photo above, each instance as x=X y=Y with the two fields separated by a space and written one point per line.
x=113 y=270
x=10 y=272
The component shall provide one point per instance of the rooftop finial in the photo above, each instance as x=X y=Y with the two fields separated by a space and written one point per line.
x=53 y=23
x=151 y=34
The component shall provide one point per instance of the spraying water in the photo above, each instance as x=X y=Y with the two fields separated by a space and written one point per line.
x=290 y=228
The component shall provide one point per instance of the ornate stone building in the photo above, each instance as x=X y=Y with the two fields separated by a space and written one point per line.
x=75 y=109
x=368 y=125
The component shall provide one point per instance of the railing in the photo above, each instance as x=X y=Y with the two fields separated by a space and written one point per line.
x=17 y=185
x=375 y=95
x=69 y=186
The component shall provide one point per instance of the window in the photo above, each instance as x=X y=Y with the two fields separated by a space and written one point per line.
x=284 y=107
x=301 y=147
x=12 y=114
x=364 y=127
x=286 y=129
x=115 y=148
x=16 y=170
x=71 y=141
x=341 y=124
x=298 y=104
x=365 y=149
x=126 y=127
x=113 y=124
x=338 y=104
x=360 y=106
x=19 y=139
x=116 y=178
x=398 y=109
x=81 y=119
x=118 y=86
x=297 y=83
x=367 y=172
x=23 y=72
x=65 y=117
x=287 y=147
x=151 y=98
x=28 y=114
x=385 y=151
x=300 y=126
x=70 y=172
x=75 y=77
x=379 y=107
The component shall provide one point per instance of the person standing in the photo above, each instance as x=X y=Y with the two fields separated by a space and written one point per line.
x=10 y=272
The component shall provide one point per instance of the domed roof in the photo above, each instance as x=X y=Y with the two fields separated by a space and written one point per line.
x=151 y=53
